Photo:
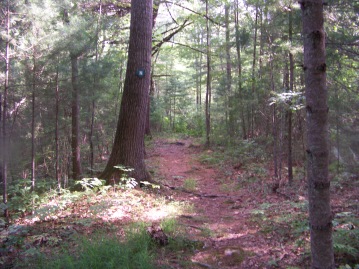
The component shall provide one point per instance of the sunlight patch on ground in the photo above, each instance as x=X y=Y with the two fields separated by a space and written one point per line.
x=119 y=213
x=156 y=214
x=231 y=236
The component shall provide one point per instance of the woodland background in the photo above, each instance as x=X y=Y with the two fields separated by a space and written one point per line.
x=253 y=59
x=256 y=91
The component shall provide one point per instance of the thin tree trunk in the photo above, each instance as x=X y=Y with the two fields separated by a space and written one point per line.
x=239 y=68
x=200 y=73
x=274 y=122
x=197 y=83
x=93 y=103
x=57 y=101
x=1 y=138
x=290 y=114
x=156 y=6
x=33 y=125
x=320 y=214
x=174 y=113
x=4 y=141
x=92 y=125
x=75 y=138
x=275 y=141
x=229 y=75
x=280 y=146
x=290 y=147
x=337 y=113
x=253 y=71
x=208 y=90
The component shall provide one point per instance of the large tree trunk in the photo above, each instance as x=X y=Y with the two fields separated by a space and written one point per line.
x=128 y=148
x=75 y=139
x=320 y=215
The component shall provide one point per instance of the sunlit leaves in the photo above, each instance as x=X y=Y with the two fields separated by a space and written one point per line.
x=293 y=100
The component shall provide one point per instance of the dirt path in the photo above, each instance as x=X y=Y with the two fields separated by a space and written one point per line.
x=222 y=212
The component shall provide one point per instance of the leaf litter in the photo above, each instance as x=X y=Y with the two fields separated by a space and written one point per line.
x=231 y=210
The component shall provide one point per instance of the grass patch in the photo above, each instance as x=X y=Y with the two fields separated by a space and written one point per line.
x=207 y=232
x=190 y=184
x=211 y=158
x=103 y=251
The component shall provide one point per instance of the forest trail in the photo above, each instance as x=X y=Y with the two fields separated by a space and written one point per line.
x=222 y=213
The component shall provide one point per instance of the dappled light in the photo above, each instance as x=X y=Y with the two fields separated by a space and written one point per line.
x=151 y=134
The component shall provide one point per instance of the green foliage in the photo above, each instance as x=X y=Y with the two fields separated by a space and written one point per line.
x=190 y=184
x=211 y=158
x=149 y=185
x=280 y=219
x=104 y=251
x=89 y=184
x=346 y=237
x=178 y=238
x=21 y=198
x=126 y=182
x=292 y=100
x=170 y=225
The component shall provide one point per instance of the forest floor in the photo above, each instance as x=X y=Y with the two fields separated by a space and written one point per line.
x=227 y=209
x=243 y=219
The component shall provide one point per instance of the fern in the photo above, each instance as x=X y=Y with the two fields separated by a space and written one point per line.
x=345 y=249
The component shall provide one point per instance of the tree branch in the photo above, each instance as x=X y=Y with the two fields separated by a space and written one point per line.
x=195 y=12
x=168 y=38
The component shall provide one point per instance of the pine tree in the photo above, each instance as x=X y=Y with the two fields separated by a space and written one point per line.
x=320 y=215
x=128 y=148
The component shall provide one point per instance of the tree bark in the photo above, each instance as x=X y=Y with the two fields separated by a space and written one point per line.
x=274 y=121
x=95 y=86
x=4 y=140
x=57 y=102
x=290 y=114
x=33 y=97
x=75 y=139
x=251 y=124
x=128 y=147
x=320 y=215
x=229 y=76
x=156 y=6
x=208 y=90
x=239 y=70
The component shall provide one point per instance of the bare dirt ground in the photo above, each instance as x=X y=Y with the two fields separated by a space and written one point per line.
x=223 y=213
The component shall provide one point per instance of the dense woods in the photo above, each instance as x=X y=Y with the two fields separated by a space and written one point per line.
x=83 y=85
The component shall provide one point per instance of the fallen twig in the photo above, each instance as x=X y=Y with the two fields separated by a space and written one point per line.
x=204 y=265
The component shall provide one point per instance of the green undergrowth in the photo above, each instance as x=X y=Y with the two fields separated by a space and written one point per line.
x=136 y=250
x=247 y=151
x=81 y=229
x=180 y=248
x=346 y=238
x=287 y=222
x=102 y=250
